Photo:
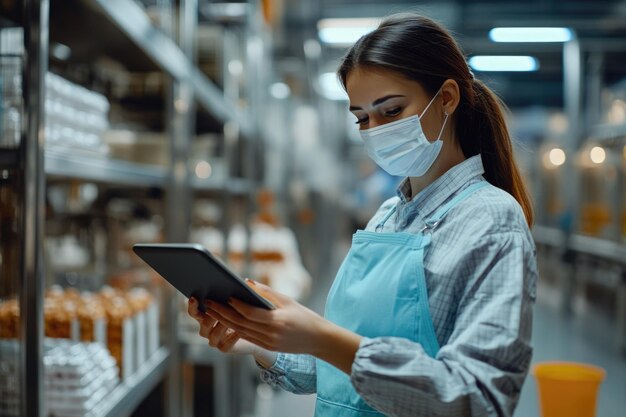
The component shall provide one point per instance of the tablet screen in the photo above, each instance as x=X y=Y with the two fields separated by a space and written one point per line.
x=195 y=272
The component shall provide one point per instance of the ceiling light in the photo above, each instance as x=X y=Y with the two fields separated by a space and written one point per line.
x=203 y=170
x=557 y=157
x=343 y=32
x=530 y=34
x=518 y=63
x=597 y=154
x=235 y=67
x=280 y=91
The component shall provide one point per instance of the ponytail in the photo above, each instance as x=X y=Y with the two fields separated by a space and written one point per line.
x=423 y=51
x=481 y=129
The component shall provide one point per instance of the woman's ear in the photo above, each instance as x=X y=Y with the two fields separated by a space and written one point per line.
x=450 y=96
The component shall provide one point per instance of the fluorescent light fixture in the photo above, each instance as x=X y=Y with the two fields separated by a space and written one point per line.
x=520 y=63
x=530 y=34
x=344 y=32
x=331 y=87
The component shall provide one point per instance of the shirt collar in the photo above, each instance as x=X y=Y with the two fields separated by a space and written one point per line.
x=435 y=194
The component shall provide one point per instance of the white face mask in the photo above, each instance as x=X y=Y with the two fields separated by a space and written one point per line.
x=401 y=148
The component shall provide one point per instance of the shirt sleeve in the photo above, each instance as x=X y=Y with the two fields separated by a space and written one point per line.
x=293 y=373
x=481 y=369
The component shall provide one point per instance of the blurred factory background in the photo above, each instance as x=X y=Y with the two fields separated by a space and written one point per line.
x=223 y=123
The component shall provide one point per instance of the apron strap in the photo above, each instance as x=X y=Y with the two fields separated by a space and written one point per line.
x=390 y=213
x=435 y=219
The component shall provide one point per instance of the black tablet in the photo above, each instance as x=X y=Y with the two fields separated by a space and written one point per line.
x=193 y=271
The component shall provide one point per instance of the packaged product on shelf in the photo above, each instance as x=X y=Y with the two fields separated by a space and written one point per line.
x=9 y=319
x=146 y=315
x=237 y=246
x=9 y=378
x=60 y=317
x=120 y=328
x=92 y=319
x=276 y=260
x=153 y=335
x=76 y=118
x=77 y=377
x=210 y=238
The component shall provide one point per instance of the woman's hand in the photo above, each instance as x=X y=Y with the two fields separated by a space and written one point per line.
x=228 y=340
x=291 y=327
x=218 y=335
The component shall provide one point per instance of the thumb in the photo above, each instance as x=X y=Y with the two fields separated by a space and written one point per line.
x=267 y=292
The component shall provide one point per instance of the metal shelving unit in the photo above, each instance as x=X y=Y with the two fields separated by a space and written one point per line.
x=596 y=248
x=126 y=397
x=8 y=157
x=607 y=132
x=588 y=245
x=37 y=164
x=236 y=186
x=118 y=172
x=103 y=170
x=168 y=56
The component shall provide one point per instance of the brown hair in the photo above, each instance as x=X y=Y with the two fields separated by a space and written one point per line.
x=423 y=51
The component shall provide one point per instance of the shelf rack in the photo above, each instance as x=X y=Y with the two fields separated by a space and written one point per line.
x=126 y=397
x=597 y=248
x=37 y=164
x=607 y=132
x=103 y=170
x=164 y=52
x=588 y=245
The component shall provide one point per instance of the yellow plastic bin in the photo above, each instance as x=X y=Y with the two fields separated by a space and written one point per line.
x=568 y=389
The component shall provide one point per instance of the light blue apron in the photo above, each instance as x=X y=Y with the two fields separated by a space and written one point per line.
x=380 y=290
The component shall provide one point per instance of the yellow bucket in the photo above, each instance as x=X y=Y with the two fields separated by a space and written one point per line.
x=568 y=389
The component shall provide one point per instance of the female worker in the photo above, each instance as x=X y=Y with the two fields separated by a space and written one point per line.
x=430 y=313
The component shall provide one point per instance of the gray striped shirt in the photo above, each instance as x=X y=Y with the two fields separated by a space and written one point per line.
x=481 y=276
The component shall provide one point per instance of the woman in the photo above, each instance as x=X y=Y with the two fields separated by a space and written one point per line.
x=430 y=313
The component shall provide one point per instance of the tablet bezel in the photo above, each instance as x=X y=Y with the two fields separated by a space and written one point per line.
x=170 y=249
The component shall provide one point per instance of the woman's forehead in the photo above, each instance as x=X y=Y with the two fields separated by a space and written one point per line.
x=365 y=85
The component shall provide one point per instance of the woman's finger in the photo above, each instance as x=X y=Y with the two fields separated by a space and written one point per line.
x=192 y=309
x=221 y=312
x=206 y=325
x=216 y=334
x=265 y=291
x=258 y=315
x=259 y=332
x=229 y=341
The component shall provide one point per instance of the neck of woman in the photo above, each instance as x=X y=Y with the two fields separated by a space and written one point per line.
x=449 y=157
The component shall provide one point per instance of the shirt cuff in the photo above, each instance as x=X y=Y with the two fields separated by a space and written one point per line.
x=273 y=373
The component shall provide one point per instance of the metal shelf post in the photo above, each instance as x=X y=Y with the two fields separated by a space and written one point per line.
x=179 y=189
x=36 y=19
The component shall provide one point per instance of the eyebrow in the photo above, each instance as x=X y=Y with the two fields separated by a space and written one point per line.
x=378 y=101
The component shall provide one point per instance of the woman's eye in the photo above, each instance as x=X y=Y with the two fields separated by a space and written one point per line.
x=393 y=112
x=362 y=121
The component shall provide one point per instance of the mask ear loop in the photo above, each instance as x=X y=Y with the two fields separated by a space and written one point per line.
x=430 y=102
x=443 y=126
